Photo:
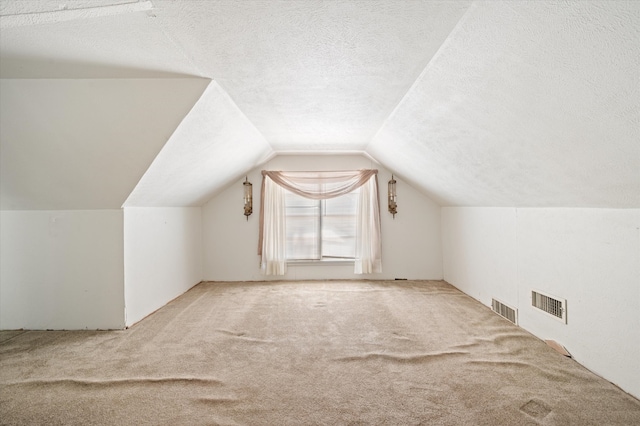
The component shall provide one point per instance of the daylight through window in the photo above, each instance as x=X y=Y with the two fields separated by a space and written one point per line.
x=342 y=223
x=321 y=229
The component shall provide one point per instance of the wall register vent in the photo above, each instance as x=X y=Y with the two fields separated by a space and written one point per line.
x=504 y=311
x=551 y=305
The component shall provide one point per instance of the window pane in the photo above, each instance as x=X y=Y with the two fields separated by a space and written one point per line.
x=321 y=229
x=339 y=226
x=303 y=226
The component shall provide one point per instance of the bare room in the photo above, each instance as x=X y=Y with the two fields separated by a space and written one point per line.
x=308 y=212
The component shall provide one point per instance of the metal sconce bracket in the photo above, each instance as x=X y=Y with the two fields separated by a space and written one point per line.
x=248 y=197
x=393 y=198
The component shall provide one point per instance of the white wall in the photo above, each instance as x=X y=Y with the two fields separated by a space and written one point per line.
x=61 y=269
x=162 y=256
x=410 y=243
x=84 y=144
x=591 y=257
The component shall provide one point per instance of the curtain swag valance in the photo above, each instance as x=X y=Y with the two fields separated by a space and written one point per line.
x=319 y=186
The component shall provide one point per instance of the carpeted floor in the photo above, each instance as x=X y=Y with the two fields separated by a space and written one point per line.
x=305 y=353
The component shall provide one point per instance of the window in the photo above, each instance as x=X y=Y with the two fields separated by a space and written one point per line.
x=317 y=230
x=321 y=229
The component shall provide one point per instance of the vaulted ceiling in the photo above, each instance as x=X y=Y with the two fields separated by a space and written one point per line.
x=106 y=103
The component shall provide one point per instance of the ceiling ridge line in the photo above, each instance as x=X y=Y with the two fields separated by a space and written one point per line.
x=422 y=73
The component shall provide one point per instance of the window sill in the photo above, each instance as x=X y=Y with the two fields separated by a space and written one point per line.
x=322 y=262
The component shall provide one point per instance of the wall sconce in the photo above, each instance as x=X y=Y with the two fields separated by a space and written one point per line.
x=248 y=197
x=393 y=198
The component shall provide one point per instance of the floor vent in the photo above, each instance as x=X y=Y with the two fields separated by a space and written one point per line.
x=504 y=311
x=551 y=305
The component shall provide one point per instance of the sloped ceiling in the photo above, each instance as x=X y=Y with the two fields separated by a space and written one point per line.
x=84 y=144
x=313 y=75
x=190 y=166
x=528 y=103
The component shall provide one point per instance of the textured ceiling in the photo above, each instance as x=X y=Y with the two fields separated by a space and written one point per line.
x=529 y=103
x=312 y=74
x=190 y=168
x=526 y=104
x=85 y=41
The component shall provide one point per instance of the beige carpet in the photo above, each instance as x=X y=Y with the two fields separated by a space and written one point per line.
x=305 y=353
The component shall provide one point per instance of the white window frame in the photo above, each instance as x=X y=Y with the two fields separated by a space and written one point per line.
x=322 y=259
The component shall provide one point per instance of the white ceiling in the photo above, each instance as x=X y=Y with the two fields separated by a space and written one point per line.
x=190 y=168
x=528 y=103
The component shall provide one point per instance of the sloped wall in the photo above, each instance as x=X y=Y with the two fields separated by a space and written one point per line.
x=410 y=242
x=591 y=257
x=61 y=269
x=162 y=256
x=211 y=146
x=71 y=152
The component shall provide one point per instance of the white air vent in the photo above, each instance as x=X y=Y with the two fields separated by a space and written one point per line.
x=551 y=305
x=504 y=311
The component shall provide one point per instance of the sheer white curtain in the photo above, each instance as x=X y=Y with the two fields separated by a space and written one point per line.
x=273 y=229
x=318 y=186
x=368 y=244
